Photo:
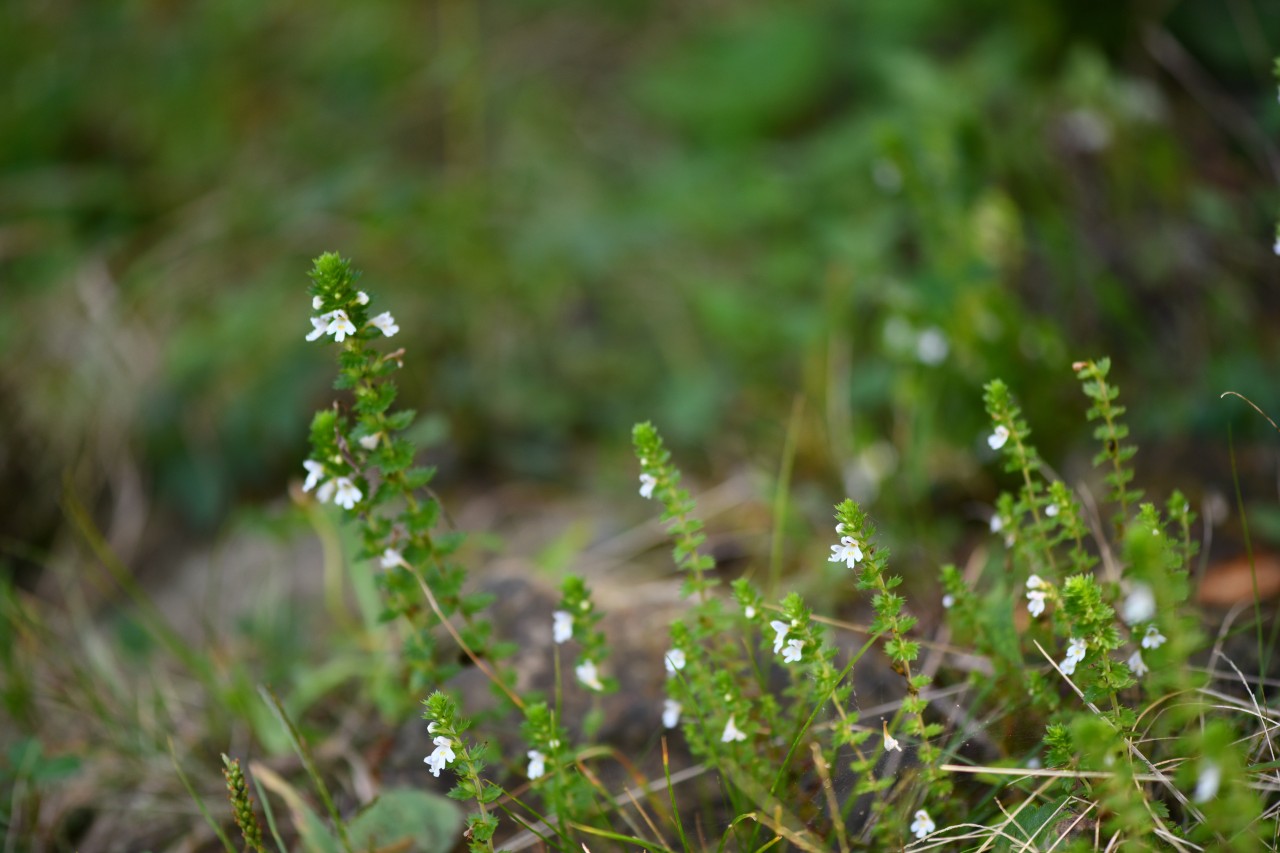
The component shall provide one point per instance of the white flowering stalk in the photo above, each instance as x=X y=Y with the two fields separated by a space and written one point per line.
x=576 y=618
x=452 y=751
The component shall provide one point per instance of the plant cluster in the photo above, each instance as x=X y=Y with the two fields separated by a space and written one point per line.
x=1077 y=636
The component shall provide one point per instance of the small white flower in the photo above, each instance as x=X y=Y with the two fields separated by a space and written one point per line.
x=1208 y=782
x=537 y=764
x=1051 y=510
x=674 y=661
x=586 y=672
x=391 y=557
x=316 y=303
x=561 y=626
x=931 y=346
x=948 y=601
x=324 y=494
x=386 y=323
x=1036 y=595
x=671 y=713
x=749 y=612
x=732 y=733
x=923 y=824
x=839 y=528
x=369 y=442
x=647 y=483
x=314 y=472
x=347 y=494
x=431 y=727
x=340 y=326
x=997 y=523
x=1075 y=654
x=997 y=439
x=846 y=552
x=890 y=742
x=1137 y=665
x=1139 y=604
x=1276 y=247
x=781 y=628
x=1153 y=639
x=440 y=756
x=362 y=298
x=791 y=653
x=319 y=326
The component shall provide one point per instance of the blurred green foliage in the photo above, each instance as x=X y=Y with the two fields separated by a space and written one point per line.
x=588 y=214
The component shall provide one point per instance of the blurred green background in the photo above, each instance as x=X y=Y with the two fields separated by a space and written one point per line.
x=585 y=214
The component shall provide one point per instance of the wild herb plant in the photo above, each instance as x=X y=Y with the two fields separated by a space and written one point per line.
x=1080 y=632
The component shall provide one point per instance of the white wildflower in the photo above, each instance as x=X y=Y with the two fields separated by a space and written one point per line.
x=1036 y=593
x=314 y=472
x=561 y=626
x=997 y=439
x=319 y=326
x=339 y=326
x=440 y=756
x=1209 y=780
x=948 y=601
x=931 y=346
x=647 y=484
x=923 y=824
x=749 y=612
x=586 y=672
x=324 y=494
x=346 y=494
x=1075 y=654
x=391 y=557
x=890 y=742
x=1153 y=639
x=1051 y=510
x=997 y=523
x=781 y=628
x=1137 y=665
x=846 y=552
x=674 y=661
x=791 y=653
x=1139 y=604
x=369 y=442
x=732 y=733
x=362 y=298
x=385 y=323
x=316 y=303
x=671 y=713
x=537 y=764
